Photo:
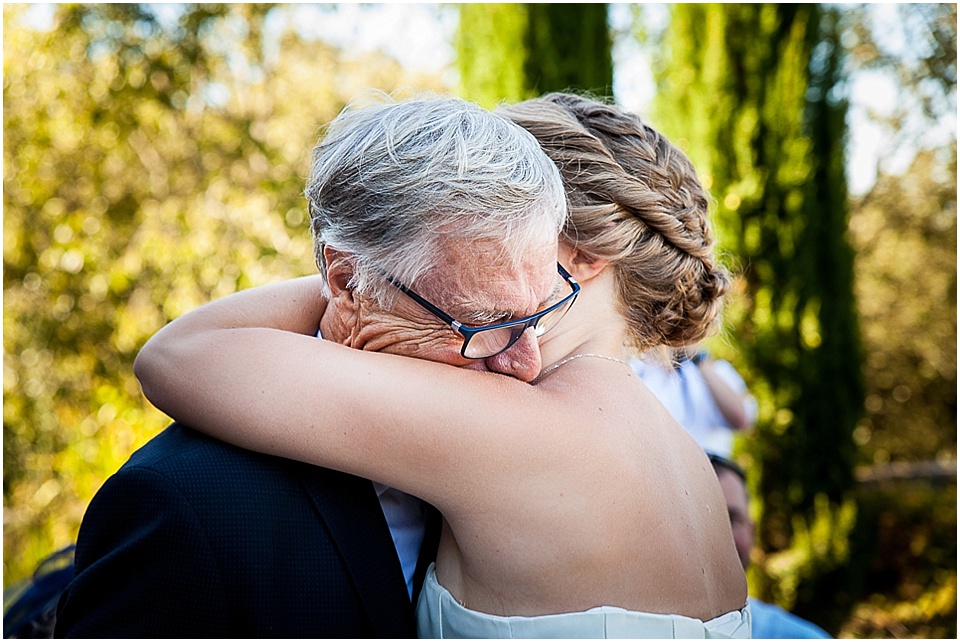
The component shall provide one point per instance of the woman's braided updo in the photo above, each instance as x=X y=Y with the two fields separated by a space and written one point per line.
x=635 y=200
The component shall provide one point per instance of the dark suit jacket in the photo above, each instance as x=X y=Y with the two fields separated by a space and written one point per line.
x=193 y=537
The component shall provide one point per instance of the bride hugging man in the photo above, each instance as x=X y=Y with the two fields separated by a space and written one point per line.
x=294 y=496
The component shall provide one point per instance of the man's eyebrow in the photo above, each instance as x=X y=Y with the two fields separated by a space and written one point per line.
x=489 y=317
x=465 y=311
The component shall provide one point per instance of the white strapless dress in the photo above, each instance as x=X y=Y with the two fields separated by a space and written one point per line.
x=439 y=615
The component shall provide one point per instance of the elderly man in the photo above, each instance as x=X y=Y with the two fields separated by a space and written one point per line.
x=196 y=538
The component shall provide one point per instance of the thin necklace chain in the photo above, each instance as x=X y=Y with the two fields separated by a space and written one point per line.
x=571 y=358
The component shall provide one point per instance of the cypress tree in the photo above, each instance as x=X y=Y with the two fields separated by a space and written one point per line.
x=518 y=51
x=491 y=52
x=751 y=90
x=568 y=47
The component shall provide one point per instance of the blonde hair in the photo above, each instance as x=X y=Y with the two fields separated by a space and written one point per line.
x=635 y=200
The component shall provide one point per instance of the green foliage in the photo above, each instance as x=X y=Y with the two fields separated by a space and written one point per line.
x=773 y=157
x=905 y=232
x=816 y=563
x=904 y=553
x=491 y=52
x=568 y=49
x=750 y=91
x=511 y=52
x=148 y=168
x=755 y=95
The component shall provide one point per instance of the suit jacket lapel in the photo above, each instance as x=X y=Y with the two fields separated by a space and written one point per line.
x=349 y=508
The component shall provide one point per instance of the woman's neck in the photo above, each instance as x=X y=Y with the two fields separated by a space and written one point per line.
x=593 y=325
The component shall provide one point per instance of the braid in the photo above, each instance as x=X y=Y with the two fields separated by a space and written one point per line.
x=635 y=201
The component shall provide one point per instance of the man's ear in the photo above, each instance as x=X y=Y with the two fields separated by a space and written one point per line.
x=580 y=265
x=340 y=270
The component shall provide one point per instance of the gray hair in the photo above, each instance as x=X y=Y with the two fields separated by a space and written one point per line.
x=391 y=180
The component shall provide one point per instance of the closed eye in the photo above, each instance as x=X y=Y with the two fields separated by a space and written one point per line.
x=487 y=318
x=491 y=318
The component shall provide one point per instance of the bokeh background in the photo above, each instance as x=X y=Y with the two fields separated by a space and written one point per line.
x=154 y=158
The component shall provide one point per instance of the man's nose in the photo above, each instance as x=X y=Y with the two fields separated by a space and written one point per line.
x=521 y=360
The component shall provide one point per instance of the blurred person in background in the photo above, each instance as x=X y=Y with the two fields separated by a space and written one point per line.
x=769 y=620
x=707 y=396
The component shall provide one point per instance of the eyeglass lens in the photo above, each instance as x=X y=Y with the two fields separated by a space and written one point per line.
x=495 y=340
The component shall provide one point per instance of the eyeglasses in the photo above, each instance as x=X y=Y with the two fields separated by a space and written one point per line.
x=480 y=342
x=732 y=466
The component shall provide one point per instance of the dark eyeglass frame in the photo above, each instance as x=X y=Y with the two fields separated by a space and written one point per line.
x=468 y=332
x=730 y=465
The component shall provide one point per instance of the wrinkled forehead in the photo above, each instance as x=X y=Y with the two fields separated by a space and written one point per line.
x=491 y=280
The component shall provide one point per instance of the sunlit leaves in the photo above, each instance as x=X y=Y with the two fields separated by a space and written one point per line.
x=905 y=231
x=763 y=128
x=151 y=164
x=511 y=52
x=491 y=52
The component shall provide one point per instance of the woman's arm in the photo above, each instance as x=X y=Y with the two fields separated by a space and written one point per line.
x=293 y=306
x=247 y=369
